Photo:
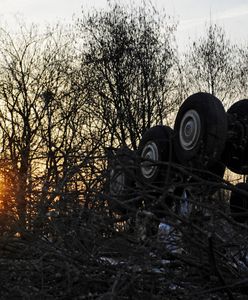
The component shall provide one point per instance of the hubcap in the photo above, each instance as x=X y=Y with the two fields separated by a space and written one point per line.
x=190 y=129
x=149 y=152
x=117 y=182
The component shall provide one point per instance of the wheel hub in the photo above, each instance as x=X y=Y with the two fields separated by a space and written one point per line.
x=149 y=153
x=117 y=182
x=190 y=129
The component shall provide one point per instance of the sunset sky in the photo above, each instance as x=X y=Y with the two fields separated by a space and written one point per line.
x=192 y=15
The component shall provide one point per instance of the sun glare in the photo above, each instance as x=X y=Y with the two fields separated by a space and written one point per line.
x=5 y=189
x=2 y=190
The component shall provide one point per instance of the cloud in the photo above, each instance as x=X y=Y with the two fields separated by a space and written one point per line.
x=189 y=23
x=233 y=13
x=236 y=12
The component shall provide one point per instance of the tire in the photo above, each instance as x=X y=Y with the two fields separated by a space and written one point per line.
x=213 y=175
x=122 y=182
x=239 y=203
x=200 y=131
x=236 y=153
x=218 y=170
x=155 y=146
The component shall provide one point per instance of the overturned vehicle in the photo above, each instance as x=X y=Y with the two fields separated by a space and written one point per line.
x=177 y=205
x=178 y=169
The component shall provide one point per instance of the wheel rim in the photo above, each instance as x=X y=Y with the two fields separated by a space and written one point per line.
x=190 y=129
x=117 y=181
x=149 y=152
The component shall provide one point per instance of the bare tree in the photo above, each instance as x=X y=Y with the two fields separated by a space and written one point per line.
x=128 y=58
x=242 y=71
x=40 y=117
x=20 y=114
x=210 y=65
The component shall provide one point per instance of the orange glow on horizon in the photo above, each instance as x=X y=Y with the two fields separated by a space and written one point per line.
x=6 y=188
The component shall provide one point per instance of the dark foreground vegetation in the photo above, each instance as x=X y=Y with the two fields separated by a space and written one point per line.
x=68 y=97
x=87 y=254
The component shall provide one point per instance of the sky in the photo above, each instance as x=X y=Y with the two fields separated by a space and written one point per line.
x=192 y=15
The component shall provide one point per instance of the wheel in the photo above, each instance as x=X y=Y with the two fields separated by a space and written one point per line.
x=122 y=182
x=236 y=153
x=213 y=175
x=155 y=147
x=217 y=171
x=200 y=131
x=156 y=153
x=239 y=203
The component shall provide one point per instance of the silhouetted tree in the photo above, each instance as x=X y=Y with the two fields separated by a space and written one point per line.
x=129 y=60
x=242 y=72
x=41 y=119
x=210 y=65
